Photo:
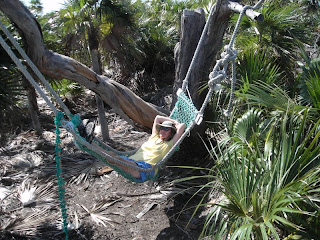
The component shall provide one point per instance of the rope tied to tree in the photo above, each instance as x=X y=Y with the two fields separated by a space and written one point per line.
x=184 y=110
x=219 y=72
x=229 y=54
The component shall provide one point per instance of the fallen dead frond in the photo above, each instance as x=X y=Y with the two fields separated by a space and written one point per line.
x=28 y=224
x=76 y=169
x=97 y=212
x=30 y=192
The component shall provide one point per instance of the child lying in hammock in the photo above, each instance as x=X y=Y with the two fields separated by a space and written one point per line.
x=165 y=133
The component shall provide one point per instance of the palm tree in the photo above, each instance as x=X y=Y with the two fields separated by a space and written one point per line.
x=73 y=30
x=88 y=15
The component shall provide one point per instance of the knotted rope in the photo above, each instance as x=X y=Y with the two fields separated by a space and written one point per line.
x=61 y=182
x=219 y=72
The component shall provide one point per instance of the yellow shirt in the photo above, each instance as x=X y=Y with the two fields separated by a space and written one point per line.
x=153 y=150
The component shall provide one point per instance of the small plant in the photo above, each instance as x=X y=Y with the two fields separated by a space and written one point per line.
x=66 y=87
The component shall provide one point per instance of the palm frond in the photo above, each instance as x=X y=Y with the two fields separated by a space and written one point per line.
x=29 y=223
x=30 y=193
x=97 y=211
x=264 y=191
x=246 y=126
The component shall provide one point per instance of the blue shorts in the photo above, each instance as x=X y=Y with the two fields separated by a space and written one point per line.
x=143 y=175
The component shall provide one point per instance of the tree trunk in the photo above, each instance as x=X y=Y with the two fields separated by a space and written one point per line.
x=96 y=65
x=192 y=25
x=33 y=106
x=123 y=101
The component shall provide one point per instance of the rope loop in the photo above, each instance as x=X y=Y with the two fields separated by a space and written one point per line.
x=233 y=53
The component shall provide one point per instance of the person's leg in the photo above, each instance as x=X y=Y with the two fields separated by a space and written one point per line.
x=144 y=175
x=133 y=172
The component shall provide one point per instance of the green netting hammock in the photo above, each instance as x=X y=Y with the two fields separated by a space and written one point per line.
x=184 y=112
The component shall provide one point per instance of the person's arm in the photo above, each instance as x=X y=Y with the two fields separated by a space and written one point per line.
x=180 y=130
x=179 y=126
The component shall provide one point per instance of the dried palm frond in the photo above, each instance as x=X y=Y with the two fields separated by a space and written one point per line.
x=15 y=177
x=76 y=168
x=187 y=185
x=97 y=213
x=28 y=224
x=4 y=192
x=81 y=170
x=73 y=222
x=29 y=193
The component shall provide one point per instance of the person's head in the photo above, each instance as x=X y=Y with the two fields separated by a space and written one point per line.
x=166 y=130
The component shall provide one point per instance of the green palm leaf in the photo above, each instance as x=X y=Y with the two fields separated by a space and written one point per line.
x=261 y=200
x=245 y=127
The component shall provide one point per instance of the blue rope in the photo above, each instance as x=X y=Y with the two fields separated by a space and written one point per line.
x=61 y=183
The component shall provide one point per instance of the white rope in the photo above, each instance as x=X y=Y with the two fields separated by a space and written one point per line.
x=229 y=54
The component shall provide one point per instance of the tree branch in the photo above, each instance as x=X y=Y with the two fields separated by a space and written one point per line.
x=237 y=7
x=123 y=101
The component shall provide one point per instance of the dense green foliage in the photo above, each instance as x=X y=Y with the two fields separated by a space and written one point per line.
x=267 y=154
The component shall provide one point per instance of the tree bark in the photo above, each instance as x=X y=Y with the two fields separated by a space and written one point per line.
x=128 y=105
x=192 y=24
x=123 y=101
x=33 y=106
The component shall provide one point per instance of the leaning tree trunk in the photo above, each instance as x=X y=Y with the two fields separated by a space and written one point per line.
x=123 y=101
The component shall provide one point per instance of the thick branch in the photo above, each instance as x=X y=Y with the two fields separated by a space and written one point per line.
x=124 y=102
x=237 y=7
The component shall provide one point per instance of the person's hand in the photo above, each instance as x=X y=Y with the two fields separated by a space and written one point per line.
x=176 y=123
